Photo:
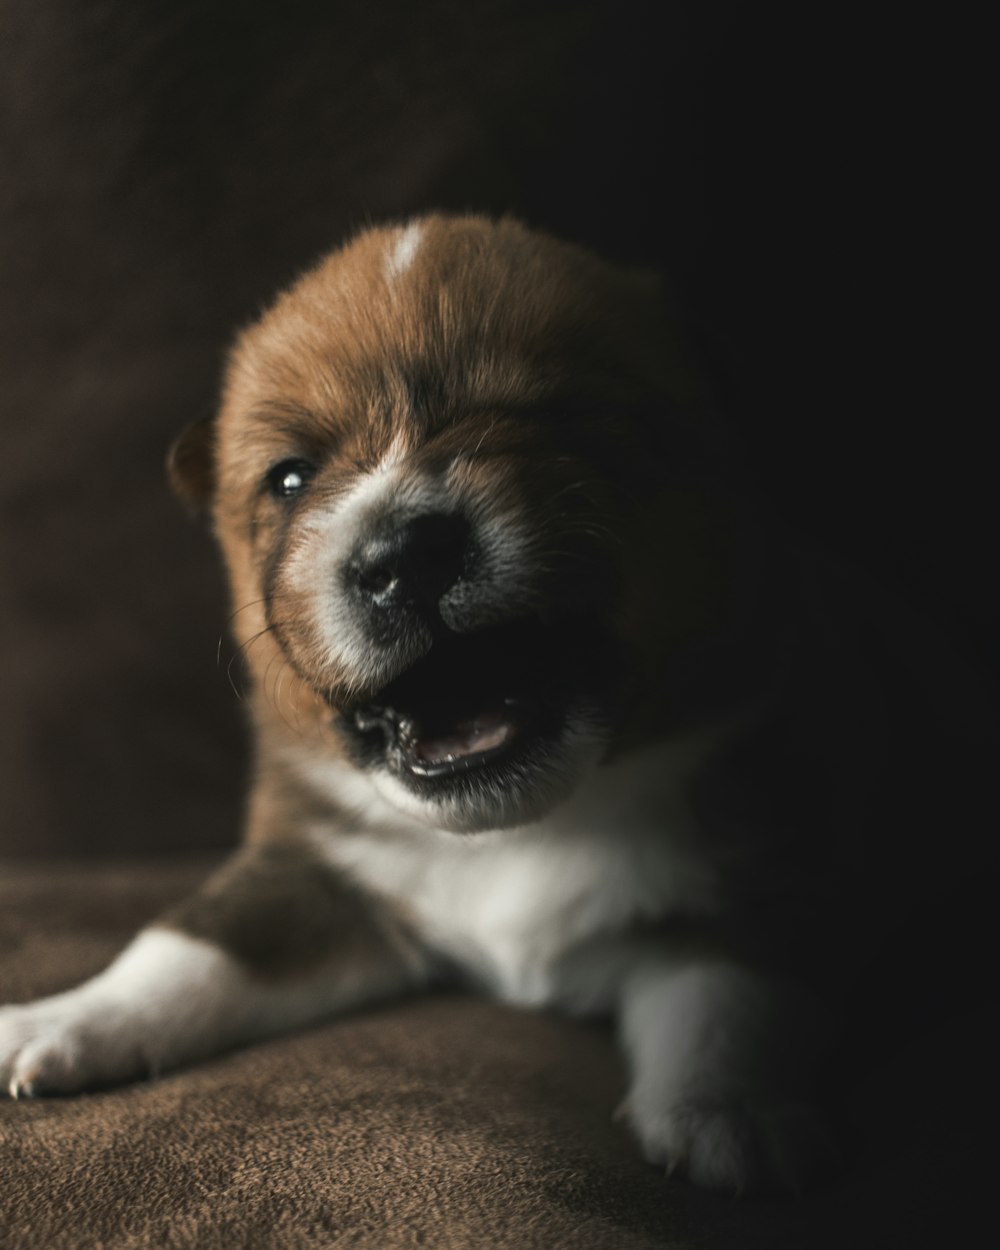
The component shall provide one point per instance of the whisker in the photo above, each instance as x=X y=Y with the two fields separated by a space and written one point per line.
x=572 y=486
x=229 y=621
x=286 y=668
x=253 y=603
x=267 y=673
x=275 y=694
x=484 y=436
x=242 y=652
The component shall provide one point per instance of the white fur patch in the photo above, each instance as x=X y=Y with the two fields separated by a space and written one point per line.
x=166 y=999
x=508 y=905
x=715 y=1086
x=402 y=251
x=325 y=540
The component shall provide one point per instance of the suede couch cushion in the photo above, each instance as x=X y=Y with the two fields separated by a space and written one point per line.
x=449 y=1123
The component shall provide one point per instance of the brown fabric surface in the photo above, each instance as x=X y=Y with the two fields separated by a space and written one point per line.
x=444 y=1123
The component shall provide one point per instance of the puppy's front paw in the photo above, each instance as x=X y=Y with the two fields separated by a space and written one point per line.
x=65 y=1044
x=740 y=1146
x=165 y=999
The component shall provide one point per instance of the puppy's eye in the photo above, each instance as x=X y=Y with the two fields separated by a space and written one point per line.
x=290 y=477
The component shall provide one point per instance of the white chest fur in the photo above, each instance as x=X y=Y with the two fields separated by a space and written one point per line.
x=507 y=904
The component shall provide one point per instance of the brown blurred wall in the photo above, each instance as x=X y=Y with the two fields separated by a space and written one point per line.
x=165 y=166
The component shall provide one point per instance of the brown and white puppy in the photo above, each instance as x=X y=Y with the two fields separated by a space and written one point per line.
x=528 y=695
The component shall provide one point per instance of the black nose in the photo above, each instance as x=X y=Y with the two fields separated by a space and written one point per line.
x=410 y=563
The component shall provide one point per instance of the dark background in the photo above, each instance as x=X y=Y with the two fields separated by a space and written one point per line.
x=805 y=178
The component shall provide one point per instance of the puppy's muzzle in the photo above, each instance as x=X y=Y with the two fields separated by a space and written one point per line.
x=403 y=570
x=478 y=681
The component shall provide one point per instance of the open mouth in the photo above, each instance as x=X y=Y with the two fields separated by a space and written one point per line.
x=473 y=704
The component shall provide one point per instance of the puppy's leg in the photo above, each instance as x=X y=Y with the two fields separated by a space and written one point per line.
x=272 y=942
x=720 y=1056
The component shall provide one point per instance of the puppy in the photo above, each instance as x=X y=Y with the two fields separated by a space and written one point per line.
x=543 y=704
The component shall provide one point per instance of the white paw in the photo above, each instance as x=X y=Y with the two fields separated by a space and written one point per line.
x=66 y=1044
x=166 y=999
x=741 y=1146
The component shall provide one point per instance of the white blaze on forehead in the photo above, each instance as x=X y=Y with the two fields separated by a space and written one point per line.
x=403 y=249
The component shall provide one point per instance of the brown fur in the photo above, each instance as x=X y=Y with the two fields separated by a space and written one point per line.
x=464 y=362
x=283 y=914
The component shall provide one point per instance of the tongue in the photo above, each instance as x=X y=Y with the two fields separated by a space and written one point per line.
x=485 y=732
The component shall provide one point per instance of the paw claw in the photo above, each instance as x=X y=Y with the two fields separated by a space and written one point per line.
x=20 y=1087
x=739 y=1147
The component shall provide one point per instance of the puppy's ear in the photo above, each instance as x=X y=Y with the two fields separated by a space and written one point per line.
x=191 y=466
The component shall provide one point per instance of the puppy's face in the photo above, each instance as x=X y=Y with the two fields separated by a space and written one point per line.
x=453 y=483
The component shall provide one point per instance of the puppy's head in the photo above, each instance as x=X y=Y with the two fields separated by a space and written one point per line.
x=456 y=479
